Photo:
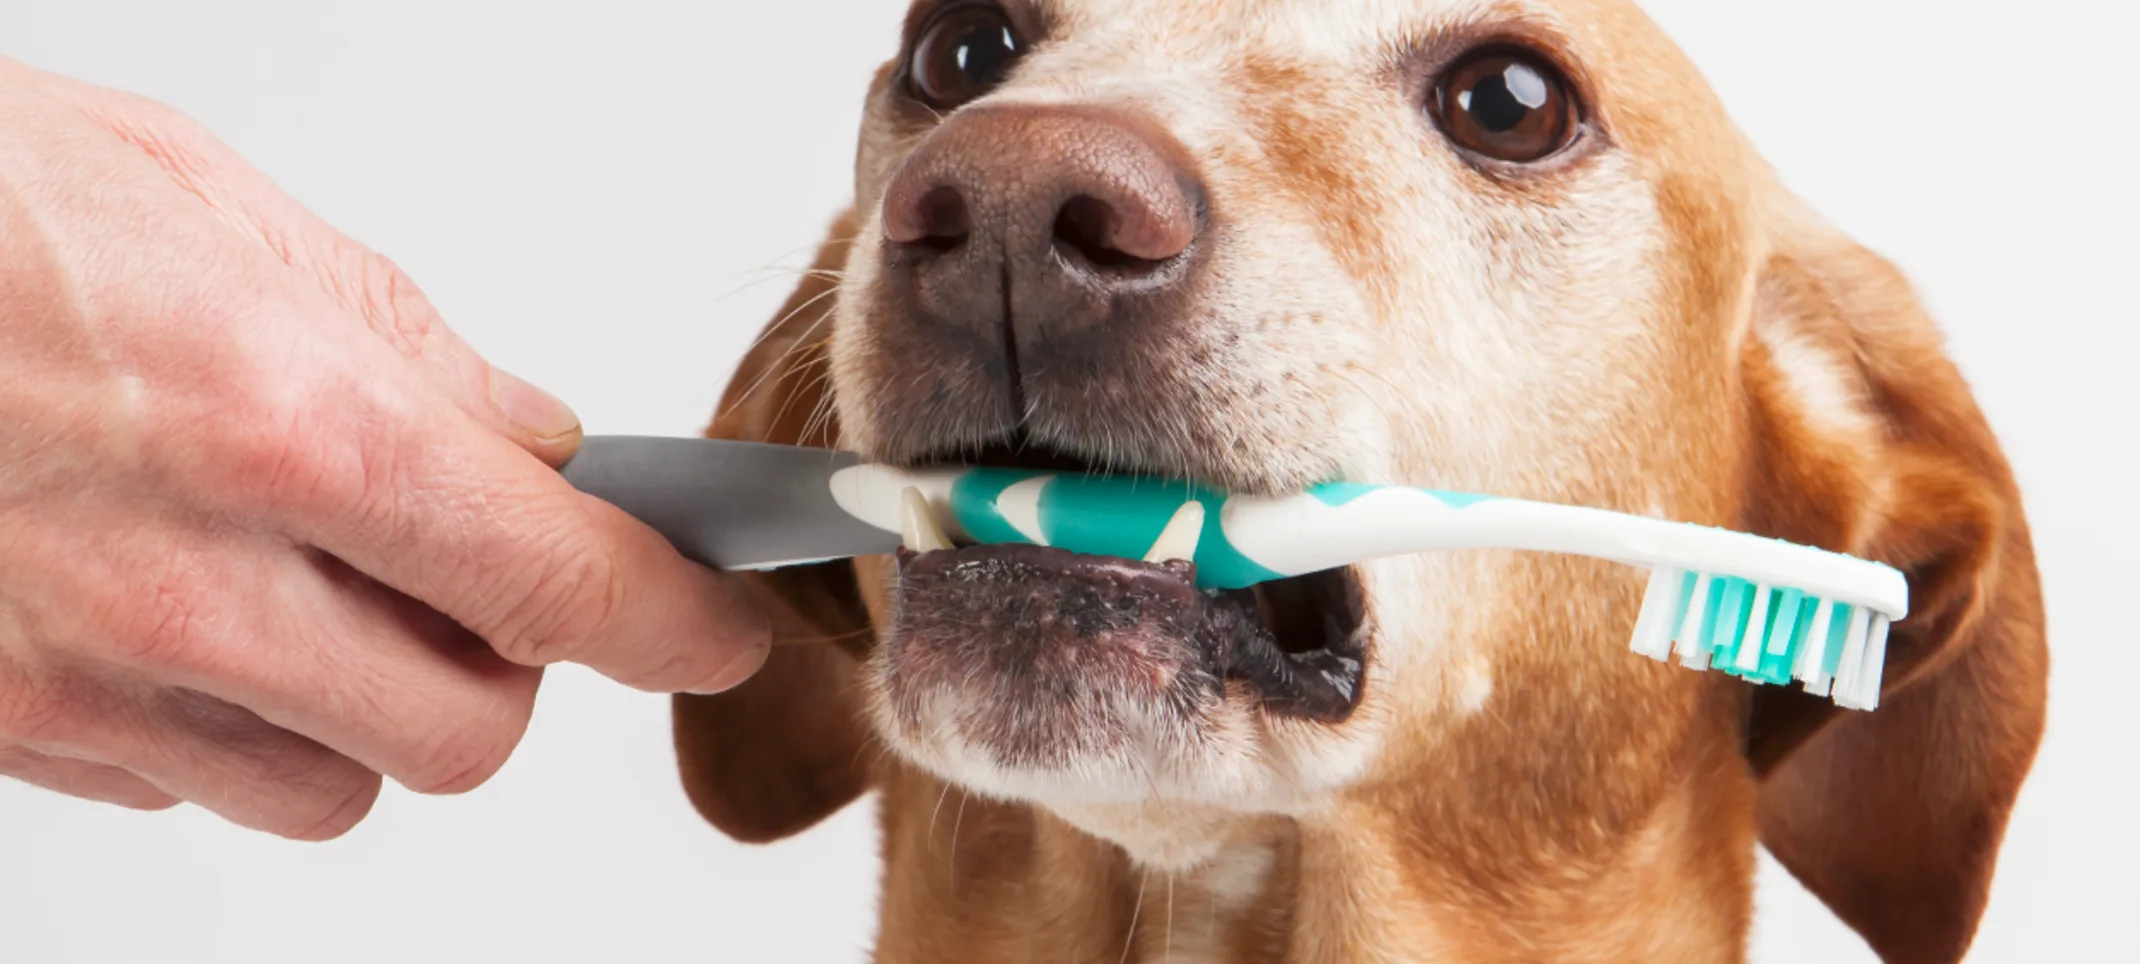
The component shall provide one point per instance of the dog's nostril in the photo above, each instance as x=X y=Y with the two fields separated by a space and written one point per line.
x=939 y=221
x=1089 y=226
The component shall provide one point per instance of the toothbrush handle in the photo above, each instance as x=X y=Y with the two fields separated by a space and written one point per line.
x=730 y=505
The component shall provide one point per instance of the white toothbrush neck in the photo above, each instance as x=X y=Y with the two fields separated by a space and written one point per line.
x=1295 y=535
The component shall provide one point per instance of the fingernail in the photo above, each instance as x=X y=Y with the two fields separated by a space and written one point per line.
x=738 y=670
x=531 y=408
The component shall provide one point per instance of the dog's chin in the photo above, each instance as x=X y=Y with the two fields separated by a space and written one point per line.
x=1092 y=683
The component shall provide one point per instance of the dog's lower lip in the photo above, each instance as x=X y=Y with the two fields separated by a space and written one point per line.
x=1299 y=644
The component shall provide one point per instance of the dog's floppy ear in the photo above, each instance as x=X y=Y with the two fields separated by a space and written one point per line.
x=1868 y=441
x=774 y=756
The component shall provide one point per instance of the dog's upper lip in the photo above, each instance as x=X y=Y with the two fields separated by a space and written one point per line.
x=1016 y=449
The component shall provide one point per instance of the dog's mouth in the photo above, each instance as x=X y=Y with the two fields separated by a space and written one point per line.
x=1053 y=625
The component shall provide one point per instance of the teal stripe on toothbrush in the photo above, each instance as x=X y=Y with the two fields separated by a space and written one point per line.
x=1108 y=517
x=1105 y=515
x=1459 y=500
x=1218 y=564
x=1338 y=494
x=973 y=504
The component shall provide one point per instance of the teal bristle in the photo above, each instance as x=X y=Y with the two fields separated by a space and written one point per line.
x=1726 y=629
x=1729 y=626
x=1767 y=634
x=1786 y=625
x=1838 y=633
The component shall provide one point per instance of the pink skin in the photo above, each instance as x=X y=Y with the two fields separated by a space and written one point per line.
x=268 y=529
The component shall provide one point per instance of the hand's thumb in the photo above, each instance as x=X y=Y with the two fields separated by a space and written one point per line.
x=536 y=419
x=375 y=290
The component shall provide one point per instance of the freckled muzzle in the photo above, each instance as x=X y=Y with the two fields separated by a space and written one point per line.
x=1041 y=641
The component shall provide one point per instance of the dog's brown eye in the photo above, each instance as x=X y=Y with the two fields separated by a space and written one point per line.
x=962 y=54
x=1509 y=105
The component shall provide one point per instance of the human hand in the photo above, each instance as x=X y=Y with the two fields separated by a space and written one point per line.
x=268 y=529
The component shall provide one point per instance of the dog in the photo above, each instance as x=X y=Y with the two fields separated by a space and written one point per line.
x=1504 y=246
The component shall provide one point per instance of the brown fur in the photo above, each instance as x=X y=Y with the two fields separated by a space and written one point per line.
x=1597 y=806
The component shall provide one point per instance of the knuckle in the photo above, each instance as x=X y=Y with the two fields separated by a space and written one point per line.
x=388 y=300
x=161 y=627
x=265 y=440
x=573 y=600
x=289 y=455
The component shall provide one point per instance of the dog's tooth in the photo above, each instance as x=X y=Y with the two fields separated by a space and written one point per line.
x=918 y=530
x=1178 y=540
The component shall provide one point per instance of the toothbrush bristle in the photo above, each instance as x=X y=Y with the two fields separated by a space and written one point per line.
x=1753 y=639
x=1875 y=661
x=1764 y=634
x=1693 y=648
x=1653 y=629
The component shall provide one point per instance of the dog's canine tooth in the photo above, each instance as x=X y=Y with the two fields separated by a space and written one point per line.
x=1178 y=540
x=918 y=530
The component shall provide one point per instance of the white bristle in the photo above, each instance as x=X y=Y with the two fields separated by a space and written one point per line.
x=1875 y=663
x=1815 y=652
x=1749 y=657
x=1691 y=651
x=1848 y=672
x=1653 y=629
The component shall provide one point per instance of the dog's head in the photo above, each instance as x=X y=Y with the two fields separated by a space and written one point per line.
x=1505 y=246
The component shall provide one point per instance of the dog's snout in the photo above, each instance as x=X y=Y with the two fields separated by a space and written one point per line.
x=1047 y=189
x=1041 y=267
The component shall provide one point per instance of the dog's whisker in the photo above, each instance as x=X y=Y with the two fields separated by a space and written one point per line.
x=773 y=264
x=1136 y=911
x=1169 y=951
x=816 y=368
x=807 y=388
x=819 y=425
x=956 y=821
x=777 y=365
x=933 y=814
x=870 y=741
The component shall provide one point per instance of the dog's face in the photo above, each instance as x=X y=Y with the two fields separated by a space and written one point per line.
x=1505 y=246
x=1258 y=245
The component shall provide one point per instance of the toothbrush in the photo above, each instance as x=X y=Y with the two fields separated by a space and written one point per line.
x=1760 y=609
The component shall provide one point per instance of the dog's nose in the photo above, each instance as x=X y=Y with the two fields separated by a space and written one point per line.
x=1040 y=222
x=1083 y=184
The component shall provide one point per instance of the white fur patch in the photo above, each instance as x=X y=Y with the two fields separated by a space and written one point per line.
x=1828 y=392
x=1477 y=688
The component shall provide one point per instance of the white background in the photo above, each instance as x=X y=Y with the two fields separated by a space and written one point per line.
x=595 y=193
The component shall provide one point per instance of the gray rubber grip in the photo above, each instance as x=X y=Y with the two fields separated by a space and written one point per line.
x=730 y=505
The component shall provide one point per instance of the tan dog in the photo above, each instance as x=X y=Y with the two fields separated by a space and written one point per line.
x=1507 y=246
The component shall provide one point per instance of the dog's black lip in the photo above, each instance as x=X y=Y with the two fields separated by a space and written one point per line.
x=1315 y=679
